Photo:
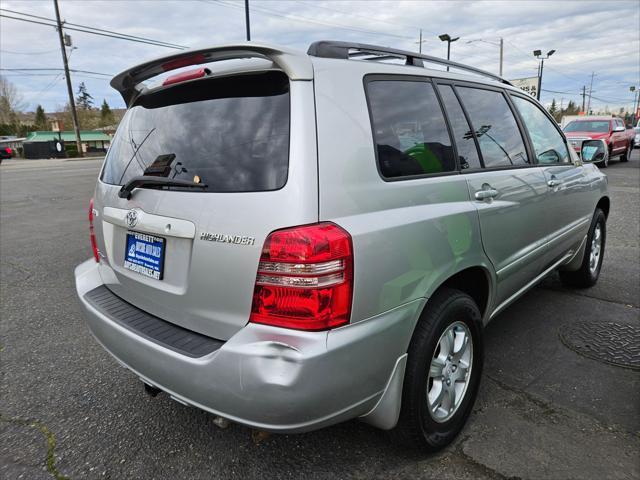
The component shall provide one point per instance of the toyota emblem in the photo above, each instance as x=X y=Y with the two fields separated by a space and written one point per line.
x=132 y=218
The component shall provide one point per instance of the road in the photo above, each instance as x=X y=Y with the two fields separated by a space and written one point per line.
x=69 y=410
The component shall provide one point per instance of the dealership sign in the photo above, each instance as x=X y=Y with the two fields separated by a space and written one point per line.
x=529 y=85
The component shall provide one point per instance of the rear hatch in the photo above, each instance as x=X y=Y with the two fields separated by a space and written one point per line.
x=190 y=255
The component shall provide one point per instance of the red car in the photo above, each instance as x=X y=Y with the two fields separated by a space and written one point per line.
x=619 y=139
x=5 y=153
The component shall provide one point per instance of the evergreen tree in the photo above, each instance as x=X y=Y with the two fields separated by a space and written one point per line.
x=106 y=115
x=84 y=100
x=41 y=119
x=553 y=109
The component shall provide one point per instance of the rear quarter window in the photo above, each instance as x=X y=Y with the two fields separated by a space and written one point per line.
x=232 y=133
x=409 y=130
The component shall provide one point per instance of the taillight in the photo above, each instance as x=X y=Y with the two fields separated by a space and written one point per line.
x=184 y=76
x=92 y=235
x=8 y=150
x=305 y=278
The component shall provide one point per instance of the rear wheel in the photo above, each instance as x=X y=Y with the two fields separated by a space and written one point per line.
x=589 y=271
x=443 y=372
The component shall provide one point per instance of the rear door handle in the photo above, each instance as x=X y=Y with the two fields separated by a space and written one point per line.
x=486 y=193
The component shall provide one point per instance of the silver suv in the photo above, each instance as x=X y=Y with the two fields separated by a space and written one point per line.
x=289 y=240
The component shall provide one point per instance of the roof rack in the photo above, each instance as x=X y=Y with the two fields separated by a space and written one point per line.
x=347 y=50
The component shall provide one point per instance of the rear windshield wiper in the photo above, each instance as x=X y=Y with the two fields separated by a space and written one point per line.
x=150 y=181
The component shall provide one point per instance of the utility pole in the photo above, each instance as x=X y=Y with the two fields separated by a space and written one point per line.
x=246 y=19
x=584 y=94
x=420 y=42
x=72 y=102
x=501 y=53
x=590 y=91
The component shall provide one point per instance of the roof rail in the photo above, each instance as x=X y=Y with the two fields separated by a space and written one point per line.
x=347 y=50
x=295 y=64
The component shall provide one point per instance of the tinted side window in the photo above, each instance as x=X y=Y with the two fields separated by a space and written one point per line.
x=495 y=126
x=466 y=145
x=548 y=144
x=409 y=129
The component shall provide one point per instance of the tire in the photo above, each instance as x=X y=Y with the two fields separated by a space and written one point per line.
x=627 y=153
x=605 y=164
x=419 y=428
x=587 y=275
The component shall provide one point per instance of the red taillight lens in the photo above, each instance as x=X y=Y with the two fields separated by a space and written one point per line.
x=184 y=76
x=8 y=150
x=305 y=278
x=92 y=235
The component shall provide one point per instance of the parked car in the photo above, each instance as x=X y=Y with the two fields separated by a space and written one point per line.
x=612 y=130
x=300 y=239
x=636 y=139
x=5 y=153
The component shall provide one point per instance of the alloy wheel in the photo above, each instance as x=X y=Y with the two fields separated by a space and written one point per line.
x=596 y=249
x=450 y=372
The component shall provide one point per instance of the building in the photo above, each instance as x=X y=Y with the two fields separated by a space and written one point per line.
x=41 y=144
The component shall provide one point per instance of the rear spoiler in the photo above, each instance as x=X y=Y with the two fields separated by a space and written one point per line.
x=296 y=65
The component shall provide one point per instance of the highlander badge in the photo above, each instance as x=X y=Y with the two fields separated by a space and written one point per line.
x=223 y=238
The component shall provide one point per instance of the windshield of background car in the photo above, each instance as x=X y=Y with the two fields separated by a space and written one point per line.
x=230 y=133
x=588 y=126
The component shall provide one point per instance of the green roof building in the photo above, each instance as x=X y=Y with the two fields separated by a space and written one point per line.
x=68 y=136
x=46 y=144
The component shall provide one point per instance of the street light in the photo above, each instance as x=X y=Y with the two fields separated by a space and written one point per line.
x=538 y=55
x=497 y=44
x=636 y=102
x=445 y=37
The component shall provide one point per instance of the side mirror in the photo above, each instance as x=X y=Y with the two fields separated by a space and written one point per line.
x=618 y=129
x=594 y=151
x=550 y=156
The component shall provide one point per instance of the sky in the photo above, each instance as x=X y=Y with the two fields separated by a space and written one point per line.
x=589 y=36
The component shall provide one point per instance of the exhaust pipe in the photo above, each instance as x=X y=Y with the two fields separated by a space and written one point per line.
x=150 y=390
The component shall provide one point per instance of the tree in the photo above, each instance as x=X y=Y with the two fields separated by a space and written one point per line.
x=84 y=100
x=106 y=115
x=10 y=103
x=553 y=109
x=41 y=119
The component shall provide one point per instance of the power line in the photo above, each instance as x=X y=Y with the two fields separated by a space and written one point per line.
x=44 y=52
x=94 y=31
x=369 y=19
x=275 y=13
x=56 y=69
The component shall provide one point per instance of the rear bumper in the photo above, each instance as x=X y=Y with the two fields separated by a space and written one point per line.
x=265 y=377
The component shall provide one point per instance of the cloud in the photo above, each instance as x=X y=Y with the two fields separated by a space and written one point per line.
x=600 y=37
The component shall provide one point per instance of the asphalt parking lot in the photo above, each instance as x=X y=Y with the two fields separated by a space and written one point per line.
x=69 y=410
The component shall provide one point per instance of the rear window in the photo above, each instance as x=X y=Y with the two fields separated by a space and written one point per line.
x=232 y=133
